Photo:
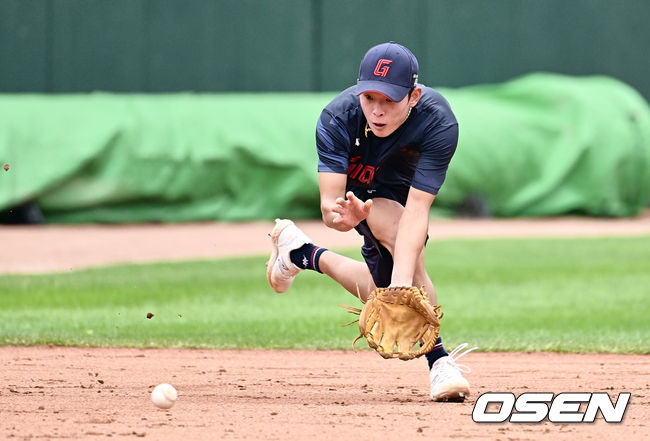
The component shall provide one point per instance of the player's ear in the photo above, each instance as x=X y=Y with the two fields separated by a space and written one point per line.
x=415 y=96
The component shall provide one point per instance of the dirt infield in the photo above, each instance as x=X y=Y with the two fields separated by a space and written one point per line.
x=76 y=393
x=83 y=393
x=30 y=249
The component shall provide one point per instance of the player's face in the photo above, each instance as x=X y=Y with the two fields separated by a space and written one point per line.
x=384 y=115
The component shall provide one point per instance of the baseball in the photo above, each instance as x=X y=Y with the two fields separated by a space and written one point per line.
x=164 y=396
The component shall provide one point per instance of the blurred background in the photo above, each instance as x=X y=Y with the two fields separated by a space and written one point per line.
x=169 y=110
x=62 y=46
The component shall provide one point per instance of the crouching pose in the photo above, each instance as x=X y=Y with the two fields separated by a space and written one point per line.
x=384 y=146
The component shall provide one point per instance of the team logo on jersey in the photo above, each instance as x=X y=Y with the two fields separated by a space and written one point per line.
x=361 y=172
x=381 y=70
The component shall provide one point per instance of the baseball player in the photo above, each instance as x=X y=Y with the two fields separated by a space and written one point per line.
x=384 y=146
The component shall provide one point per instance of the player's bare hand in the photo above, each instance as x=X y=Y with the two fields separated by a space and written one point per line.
x=350 y=211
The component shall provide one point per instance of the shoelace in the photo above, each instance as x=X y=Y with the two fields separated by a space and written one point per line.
x=449 y=367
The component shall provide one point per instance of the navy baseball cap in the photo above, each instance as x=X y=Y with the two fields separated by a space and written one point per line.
x=388 y=68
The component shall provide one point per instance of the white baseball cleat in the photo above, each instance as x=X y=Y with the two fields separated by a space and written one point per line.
x=447 y=382
x=285 y=237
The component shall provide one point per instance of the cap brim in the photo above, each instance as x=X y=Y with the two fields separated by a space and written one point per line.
x=395 y=93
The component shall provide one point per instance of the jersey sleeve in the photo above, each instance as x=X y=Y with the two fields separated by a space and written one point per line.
x=333 y=144
x=437 y=151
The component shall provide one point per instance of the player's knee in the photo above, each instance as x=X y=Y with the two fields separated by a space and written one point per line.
x=384 y=221
x=385 y=235
x=363 y=291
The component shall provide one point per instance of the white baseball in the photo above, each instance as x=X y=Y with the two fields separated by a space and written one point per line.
x=164 y=395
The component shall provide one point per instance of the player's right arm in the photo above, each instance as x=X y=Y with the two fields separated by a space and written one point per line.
x=339 y=212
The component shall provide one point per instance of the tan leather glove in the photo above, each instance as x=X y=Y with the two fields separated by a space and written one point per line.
x=395 y=319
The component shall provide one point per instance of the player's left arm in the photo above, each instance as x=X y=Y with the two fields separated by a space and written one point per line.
x=414 y=223
x=411 y=236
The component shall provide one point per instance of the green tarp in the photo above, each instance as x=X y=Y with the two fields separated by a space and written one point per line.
x=545 y=145
x=542 y=144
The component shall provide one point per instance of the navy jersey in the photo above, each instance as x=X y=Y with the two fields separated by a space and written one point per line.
x=417 y=154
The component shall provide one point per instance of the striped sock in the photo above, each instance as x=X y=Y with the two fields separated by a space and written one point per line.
x=437 y=352
x=307 y=256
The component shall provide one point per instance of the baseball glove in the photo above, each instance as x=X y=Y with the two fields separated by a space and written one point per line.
x=395 y=319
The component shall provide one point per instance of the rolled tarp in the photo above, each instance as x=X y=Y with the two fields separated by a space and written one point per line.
x=539 y=145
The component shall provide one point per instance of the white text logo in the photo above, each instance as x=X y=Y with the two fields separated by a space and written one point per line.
x=532 y=407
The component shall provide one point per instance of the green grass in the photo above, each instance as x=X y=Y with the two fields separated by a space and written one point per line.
x=578 y=295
